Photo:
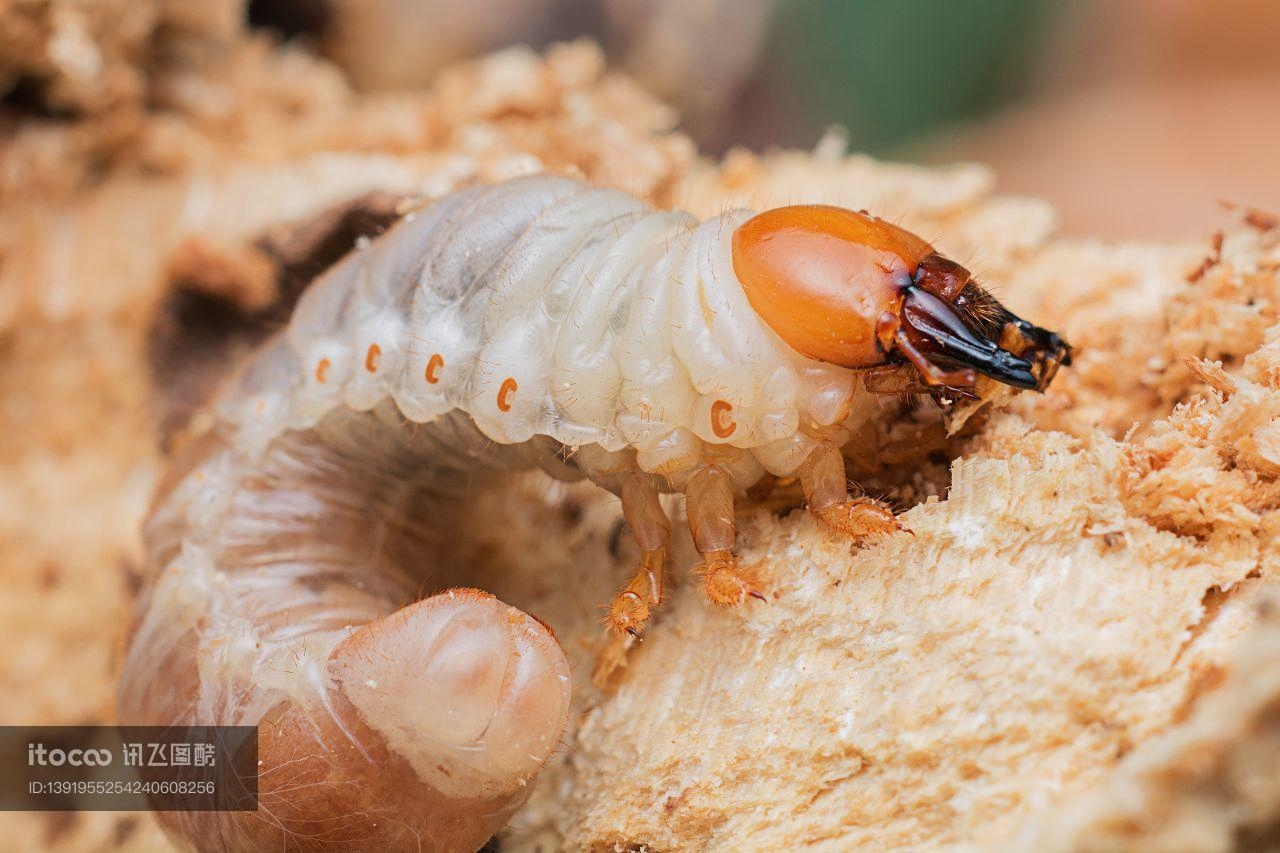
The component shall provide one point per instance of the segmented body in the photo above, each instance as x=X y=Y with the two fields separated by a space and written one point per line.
x=536 y=323
x=501 y=328
x=543 y=307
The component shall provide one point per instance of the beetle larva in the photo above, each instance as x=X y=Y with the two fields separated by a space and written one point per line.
x=536 y=323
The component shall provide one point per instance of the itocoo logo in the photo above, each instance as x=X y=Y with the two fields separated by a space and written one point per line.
x=39 y=755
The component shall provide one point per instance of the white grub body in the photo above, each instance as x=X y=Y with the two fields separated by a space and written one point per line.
x=535 y=323
x=618 y=328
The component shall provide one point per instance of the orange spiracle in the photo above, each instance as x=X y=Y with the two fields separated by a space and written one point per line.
x=720 y=410
x=322 y=370
x=432 y=373
x=371 y=358
x=508 y=388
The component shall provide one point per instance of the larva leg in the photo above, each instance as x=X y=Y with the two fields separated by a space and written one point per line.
x=709 y=504
x=643 y=511
x=632 y=606
x=894 y=379
x=826 y=490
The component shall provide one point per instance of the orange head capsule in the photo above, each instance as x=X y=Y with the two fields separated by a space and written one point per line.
x=850 y=289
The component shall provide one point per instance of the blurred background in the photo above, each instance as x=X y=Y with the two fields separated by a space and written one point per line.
x=1134 y=117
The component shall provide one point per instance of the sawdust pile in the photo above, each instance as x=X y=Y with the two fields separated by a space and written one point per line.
x=1076 y=648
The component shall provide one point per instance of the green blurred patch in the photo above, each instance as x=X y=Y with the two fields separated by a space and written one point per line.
x=891 y=70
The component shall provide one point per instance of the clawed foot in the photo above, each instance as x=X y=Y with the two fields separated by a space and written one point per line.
x=628 y=613
x=725 y=582
x=858 y=517
x=632 y=607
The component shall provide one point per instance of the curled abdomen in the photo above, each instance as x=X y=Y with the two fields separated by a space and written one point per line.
x=486 y=332
x=284 y=597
